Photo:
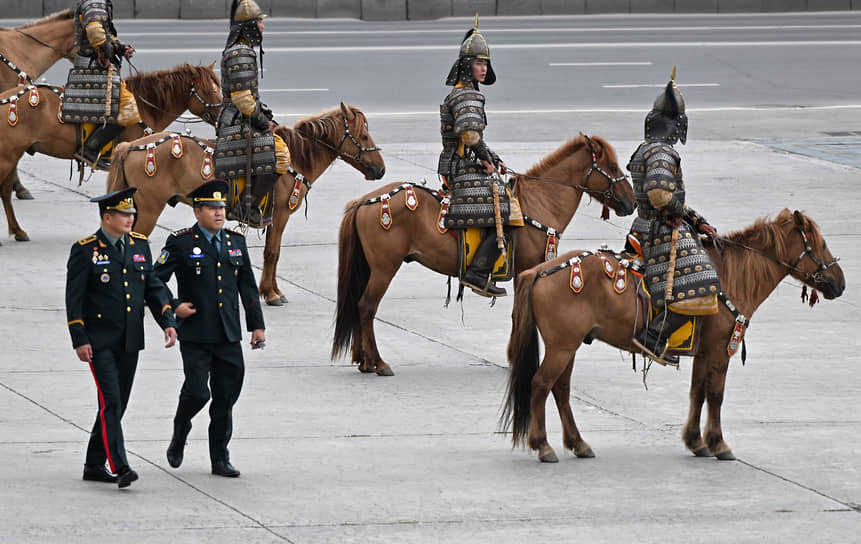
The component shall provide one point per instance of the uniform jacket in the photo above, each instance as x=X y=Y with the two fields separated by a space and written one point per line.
x=105 y=293
x=213 y=283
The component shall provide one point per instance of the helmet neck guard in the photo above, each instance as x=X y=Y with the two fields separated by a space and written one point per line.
x=667 y=121
x=472 y=47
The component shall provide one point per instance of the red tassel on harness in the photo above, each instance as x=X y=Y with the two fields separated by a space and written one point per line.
x=605 y=213
x=814 y=297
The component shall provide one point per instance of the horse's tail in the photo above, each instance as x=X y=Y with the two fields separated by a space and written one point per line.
x=117 y=174
x=522 y=360
x=353 y=275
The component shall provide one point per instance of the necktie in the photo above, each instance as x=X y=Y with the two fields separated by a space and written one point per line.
x=120 y=247
x=215 y=243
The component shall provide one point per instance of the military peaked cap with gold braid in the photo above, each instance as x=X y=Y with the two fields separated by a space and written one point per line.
x=212 y=193
x=118 y=201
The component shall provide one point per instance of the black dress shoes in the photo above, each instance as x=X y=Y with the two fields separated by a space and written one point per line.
x=98 y=474
x=224 y=468
x=126 y=477
x=176 y=448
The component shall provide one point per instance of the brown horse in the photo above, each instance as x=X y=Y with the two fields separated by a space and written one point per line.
x=161 y=96
x=750 y=264
x=35 y=47
x=369 y=256
x=314 y=143
x=27 y=51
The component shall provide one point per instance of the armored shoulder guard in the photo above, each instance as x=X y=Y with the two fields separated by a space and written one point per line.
x=661 y=166
x=467 y=108
x=93 y=11
x=137 y=235
x=238 y=69
x=181 y=232
x=87 y=240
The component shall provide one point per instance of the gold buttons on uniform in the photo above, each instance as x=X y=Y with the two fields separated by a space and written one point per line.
x=220 y=304
x=124 y=270
x=219 y=291
x=128 y=308
x=219 y=265
x=99 y=316
x=219 y=277
x=126 y=283
x=128 y=296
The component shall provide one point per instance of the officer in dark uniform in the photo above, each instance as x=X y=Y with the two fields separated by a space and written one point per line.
x=110 y=276
x=213 y=271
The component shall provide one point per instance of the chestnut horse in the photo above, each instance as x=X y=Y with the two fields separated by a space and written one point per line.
x=161 y=96
x=750 y=264
x=314 y=143
x=31 y=49
x=369 y=256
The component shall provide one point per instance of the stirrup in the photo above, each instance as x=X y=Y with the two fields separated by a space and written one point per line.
x=664 y=359
x=485 y=289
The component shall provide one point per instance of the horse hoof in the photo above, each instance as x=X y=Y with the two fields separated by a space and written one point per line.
x=726 y=456
x=549 y=457
x=24 y=194
x=283 y=299
x=365 y=370
x=22 y=237
x=586 y=454
x=385 y=371
x=274 y=302
x=703 y=452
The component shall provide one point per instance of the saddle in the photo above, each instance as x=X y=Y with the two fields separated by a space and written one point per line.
x=84 y=131
x=467 y=243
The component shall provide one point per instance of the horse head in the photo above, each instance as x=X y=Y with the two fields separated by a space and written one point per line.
x=814 y=265
x=355 y=145
x=204 y=94
x=605 y=180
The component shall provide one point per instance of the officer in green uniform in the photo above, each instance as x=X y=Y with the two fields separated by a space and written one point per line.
x=213 y=271
x=109 y=278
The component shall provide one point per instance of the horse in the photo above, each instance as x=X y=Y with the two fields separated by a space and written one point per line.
x=162 y=97
x=35 y=48
x=28 y=50
x=314 y=143
x=369 y=256
x=750 y=264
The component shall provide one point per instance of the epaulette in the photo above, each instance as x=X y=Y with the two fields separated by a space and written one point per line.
x=137 y=235
x=181 y=232
x=87 y=240
x=235 y=232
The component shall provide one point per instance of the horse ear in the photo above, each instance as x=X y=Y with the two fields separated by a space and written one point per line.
x=348 y=113
x=799 y=217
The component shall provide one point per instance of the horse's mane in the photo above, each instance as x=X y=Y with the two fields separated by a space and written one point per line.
x=157 y=89
x=60 y=15
x=556 y=157
x=300 y=138
x=766 y=235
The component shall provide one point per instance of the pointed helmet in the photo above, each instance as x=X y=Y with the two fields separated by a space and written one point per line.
x=244 y=15
x=474 y=46
x=667 y=120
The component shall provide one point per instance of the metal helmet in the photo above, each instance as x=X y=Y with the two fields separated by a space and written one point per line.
x=473 y=46
x=244 y=15
x=667 y=120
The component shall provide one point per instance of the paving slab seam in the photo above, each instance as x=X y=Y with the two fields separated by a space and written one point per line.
x=854 y=507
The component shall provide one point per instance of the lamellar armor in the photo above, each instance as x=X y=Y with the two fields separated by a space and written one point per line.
x=87 y=87
x=243 y=116
x=656 y=176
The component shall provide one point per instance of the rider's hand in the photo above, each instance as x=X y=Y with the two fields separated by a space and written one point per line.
x=128 y=51
x=674 y=222
x=488 y=167
x=708 y=230
x=502 y=167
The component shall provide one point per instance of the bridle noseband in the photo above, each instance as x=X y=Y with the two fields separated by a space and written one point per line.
x=357 y=156
x=206 y=115
x=817 y=276
x=608 y=192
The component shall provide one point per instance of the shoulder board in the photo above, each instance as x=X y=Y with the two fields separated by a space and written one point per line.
x=181 y=232
x=137 y=235
x=235 y=233
x=87 y=240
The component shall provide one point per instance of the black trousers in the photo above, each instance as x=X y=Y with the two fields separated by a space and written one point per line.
x=222 y=365
x=114 y=372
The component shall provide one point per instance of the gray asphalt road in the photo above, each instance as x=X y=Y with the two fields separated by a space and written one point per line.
x=329 y=455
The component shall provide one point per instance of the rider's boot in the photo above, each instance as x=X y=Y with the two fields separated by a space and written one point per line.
x=653 y=338
x=477 y=276
x=89 y=152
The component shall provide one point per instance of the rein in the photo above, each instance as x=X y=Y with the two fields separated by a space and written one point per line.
x=360 y=150
x=65 y=54
x=22 y=75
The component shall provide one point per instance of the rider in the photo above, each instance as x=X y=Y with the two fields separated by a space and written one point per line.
x=98 y=62
x=466 y=164
x=666 y=228
x=245 y=120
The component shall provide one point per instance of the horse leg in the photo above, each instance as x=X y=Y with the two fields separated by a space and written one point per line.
x=378 y=283
x=552 y=367
x=691 y=431
x=571 y=438
x=272 y=251
x=714 y=397
x=6 y=195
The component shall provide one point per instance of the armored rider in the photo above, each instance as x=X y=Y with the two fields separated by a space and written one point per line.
x=109 y=279
x=681 y=279
x=246 y=146
x=467 y=164
x=94 y=92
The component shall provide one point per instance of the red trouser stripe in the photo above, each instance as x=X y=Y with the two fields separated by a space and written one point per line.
x=102 y=419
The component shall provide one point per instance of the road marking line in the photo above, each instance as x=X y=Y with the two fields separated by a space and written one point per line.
x=294 y=90
x=645 y=63
x=638 y=85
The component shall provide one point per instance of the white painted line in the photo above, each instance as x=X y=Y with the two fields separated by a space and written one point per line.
x=294 y=90
x=517 y=46
x=646 y=63
x=491 y=112
x=656 y=85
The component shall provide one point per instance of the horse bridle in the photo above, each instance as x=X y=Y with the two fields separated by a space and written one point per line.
x=67 y=54
x=359 y=148
x=608 y=192
x=206 y=115
x=815 y=277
